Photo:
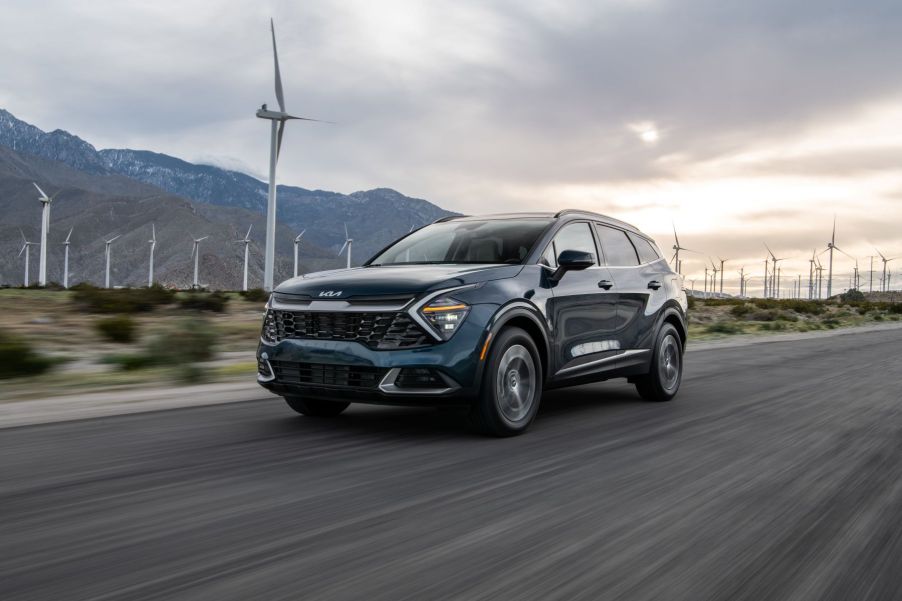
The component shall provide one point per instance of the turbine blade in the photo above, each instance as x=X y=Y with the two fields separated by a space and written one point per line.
x=43 y=194
x=675 y=237
x=343 y=247
x=346 y=232
x=153 y=232
x=309 y=119
x=70 y=233
x=280 y=97
x=23 y=235
x=24 y=246
x=833 y=237
x=279 y=139
x=248 y=231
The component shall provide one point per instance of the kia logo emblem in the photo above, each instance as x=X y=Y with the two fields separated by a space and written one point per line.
x=330 y=293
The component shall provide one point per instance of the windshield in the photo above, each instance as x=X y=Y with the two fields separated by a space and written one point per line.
x=489 y=241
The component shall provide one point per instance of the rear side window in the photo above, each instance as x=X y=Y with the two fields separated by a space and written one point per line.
x=618 y=250
x=575 y=236
x=647 y=252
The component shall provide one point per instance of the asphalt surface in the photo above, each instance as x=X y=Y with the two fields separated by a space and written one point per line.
x=776 y=474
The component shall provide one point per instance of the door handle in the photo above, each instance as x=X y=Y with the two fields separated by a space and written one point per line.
x=654 y=284
x=606 y=284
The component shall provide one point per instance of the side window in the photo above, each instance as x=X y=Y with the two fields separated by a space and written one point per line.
x=575 y=236
x=647 y=252
x=618 y=250
x=549 y=258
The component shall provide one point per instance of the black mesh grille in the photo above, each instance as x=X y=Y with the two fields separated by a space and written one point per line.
x=323 y=374
x=419 y=378
x=375 y=330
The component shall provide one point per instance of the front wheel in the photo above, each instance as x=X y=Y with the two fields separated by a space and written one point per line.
x=662 y=382
x=512 y=386
x=316 y=407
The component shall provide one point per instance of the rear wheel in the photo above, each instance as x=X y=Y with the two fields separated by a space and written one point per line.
x=662 y=382
x=315 y=407
x=512 y=386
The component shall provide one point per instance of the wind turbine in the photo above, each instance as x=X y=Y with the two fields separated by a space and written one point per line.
x=297 y=243
x=26 y=248
x=195 y=252
x=66 y=260
x=45 y=229
x=722 y=261
x=714 y=276
x=278 y=120
x=348 y=243
x=106 y=252
x=830 y=246
x=677 y=248
x=811 y=263
x=775 y=291
x=153 y=246
x=885 y=261
x=246 y=241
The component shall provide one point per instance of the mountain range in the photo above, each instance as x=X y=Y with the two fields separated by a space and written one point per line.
x=104 y=193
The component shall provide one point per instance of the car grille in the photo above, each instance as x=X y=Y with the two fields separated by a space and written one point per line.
x=376 y=330
x=324 y=374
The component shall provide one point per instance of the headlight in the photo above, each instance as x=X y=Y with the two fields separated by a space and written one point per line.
x=445 y=315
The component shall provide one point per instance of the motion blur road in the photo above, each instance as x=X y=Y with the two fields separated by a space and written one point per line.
x=776 y=474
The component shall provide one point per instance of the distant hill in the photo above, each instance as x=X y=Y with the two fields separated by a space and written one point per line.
x=113 y=191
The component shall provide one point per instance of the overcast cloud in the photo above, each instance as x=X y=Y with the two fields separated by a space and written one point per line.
x=740 y=121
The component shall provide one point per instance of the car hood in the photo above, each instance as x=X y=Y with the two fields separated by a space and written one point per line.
x=392 y=280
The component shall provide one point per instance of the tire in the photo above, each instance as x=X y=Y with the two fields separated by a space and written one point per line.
x=511 y=388
x=662 y=382
x=315 y=407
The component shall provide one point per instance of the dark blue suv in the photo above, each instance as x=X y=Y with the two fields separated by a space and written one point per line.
x=485 y=312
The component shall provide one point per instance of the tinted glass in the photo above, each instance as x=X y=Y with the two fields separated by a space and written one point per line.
x=575 y=236
x=618 y=250
x=647 y=252
x=488 y=241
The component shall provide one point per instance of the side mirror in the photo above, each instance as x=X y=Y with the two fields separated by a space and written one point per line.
x=572 y=260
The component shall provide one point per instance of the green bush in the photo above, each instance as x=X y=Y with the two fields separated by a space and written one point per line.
x=256 y=295
x=765 y=303
x=204 y=301
x=774 y=326
x=786 y=316
x=723 y=327
x=723 y=302
x=852 y=295
x=182 y=346
x=895 y=308
x=121 y=300
x=830 y=322
x=17 y=358
x=808 y=307
x=120 y=328
x=769 y=315
x=741 y=310
x=691 y=302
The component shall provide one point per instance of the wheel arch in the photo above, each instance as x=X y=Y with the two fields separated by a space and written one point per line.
x=525 y=317
x=673 y=315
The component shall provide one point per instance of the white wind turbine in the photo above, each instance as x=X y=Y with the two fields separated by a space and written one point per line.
x=66 y=260
x=277 y=119
x=45 y=229
x=885 y=261
x=195 y=252
x=106 y=252
x=153 y=247
x=348 y=243
x=297 y=243
x=676 y=251
x=26 y=248
x=246 y=241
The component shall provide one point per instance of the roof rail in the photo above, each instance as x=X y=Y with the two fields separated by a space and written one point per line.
x=448 y=218
x=563 y=212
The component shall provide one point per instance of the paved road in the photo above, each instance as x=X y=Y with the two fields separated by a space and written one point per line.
x=777 y=474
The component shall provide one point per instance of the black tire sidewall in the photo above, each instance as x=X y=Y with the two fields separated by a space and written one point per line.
x=487 y=406
x=655 y=375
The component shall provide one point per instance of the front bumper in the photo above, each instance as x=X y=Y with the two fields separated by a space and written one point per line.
x=353 y=372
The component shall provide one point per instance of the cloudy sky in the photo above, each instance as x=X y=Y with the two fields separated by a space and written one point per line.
x=741 y=122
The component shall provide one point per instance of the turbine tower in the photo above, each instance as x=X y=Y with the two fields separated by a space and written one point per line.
x=195 y=252
x=106 y=252
x=885 y=261
x=348 y=243
x=246 y=241
x=830 y=246
x=297 y=243
x=153 y=247
x=26 y=248
x=722 y=261
x=66 y=259
x=774 y=288
x=45 y=229
x=277 y=120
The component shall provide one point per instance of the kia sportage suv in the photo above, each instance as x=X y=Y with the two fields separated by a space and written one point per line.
x=485 y=312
